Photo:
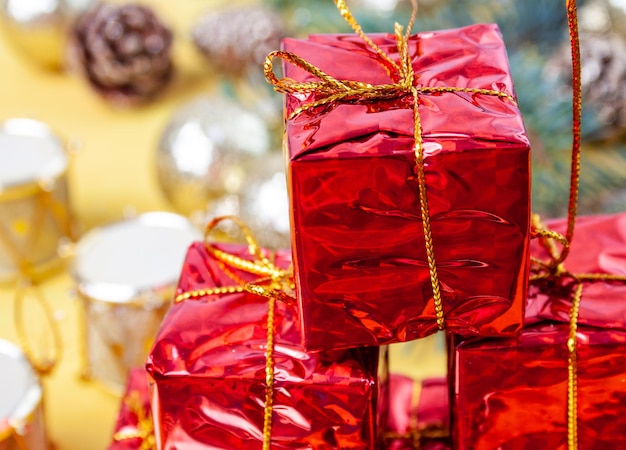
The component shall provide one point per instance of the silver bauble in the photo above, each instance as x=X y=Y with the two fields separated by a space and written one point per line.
x=262 y=203
x=40 y=28
x=206 y=151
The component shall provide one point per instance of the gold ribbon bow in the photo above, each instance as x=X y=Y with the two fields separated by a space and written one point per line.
x=144 y=427
x=329 y=90
x=273 y=283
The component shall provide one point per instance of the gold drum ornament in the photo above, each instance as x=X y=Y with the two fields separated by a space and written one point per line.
x=126 y=274
x=34 y=202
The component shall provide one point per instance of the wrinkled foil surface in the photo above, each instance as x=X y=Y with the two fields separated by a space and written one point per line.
x=513 y=394
x=208 y=371
x=359 y=253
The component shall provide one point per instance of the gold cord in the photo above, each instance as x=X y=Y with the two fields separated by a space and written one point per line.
x=572 y=22
x=554 y=268
x=269 y=377
x=572 y=379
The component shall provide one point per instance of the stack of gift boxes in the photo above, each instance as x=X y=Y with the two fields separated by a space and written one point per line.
x=407 y=218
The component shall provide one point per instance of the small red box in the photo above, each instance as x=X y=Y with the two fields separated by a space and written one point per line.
x=418 y=412
x=357 y=237
x=512 y=394
x=208 y=371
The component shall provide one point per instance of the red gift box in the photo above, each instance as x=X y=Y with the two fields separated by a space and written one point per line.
x=360 y=261
x=513 y=394
x=208 y=370
x=418 y=416
x=134 y=429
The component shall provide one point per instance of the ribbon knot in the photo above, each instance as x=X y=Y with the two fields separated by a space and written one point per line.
x=273 y=282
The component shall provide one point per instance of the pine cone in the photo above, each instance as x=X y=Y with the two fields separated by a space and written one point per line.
x=237 y=39
x=123 y=51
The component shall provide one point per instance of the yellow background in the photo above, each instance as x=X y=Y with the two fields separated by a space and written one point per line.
x=113 y=170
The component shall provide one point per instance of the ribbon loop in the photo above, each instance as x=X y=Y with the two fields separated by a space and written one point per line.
x=261 y=264
x=273 y=282
x=328 y=84
x=253 y=247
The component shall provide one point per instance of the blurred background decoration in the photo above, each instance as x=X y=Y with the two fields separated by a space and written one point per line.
x=40 y=29
x=169 y=104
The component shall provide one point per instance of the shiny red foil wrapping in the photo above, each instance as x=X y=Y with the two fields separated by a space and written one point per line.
x=359 y=253
x=599 y=246
x=513 y=394
x=208 y=371
x=405 y=414
x=135 y=407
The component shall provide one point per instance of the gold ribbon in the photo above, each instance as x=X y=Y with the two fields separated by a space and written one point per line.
x=273 y=283
x=330 y=90
x=144 y=428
